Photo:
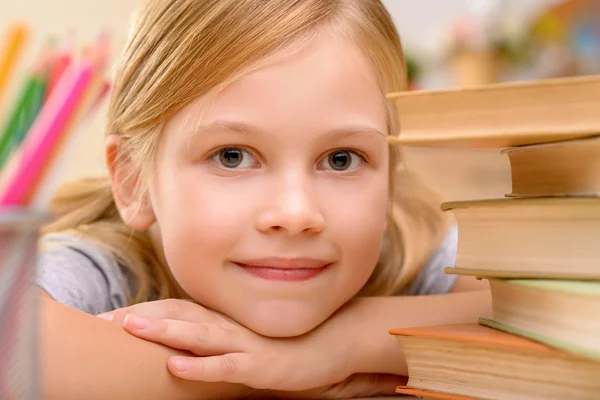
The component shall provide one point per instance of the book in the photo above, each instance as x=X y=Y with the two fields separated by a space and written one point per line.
x=474 y=361
x=569 y=168
x=560 y=314
x=552 y=238
x=499 y=115
x=430 y=394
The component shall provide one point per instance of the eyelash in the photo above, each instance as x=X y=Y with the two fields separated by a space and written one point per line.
x=244 y=149
x=357 y=153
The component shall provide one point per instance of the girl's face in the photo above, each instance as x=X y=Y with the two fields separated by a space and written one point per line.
x=270 y=197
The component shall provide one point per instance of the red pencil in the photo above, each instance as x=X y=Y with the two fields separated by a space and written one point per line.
x=62 y=62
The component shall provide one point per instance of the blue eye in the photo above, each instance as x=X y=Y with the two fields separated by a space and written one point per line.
x=234 y=158
x=342 y=160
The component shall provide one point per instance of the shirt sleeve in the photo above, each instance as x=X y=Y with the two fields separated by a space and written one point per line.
x=432 y=279
x=81 y=276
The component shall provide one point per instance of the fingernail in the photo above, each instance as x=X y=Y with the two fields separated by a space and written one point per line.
x=108 y=317
x=181 y=364
x=138 y=322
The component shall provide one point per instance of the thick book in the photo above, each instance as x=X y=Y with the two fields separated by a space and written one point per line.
x=569 y=168
x=553 y=238
x=561 y=314
x=500 y=115
x=474 y=361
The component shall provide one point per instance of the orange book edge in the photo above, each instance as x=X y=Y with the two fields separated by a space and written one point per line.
x=430 y=394
x=472 y=333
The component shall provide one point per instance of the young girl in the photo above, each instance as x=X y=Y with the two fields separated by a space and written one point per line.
x=250 y=181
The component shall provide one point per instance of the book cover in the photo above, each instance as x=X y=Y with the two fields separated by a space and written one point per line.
x=500 y=115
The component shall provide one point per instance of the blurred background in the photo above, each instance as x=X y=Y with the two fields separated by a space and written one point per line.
x=448 y=44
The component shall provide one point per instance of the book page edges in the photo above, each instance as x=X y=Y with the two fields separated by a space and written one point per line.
x=491 y=140
x=428 y=394
x=512 y=202
x=491 y=274
x=501 y=86
x=552 y=195
x=567 y=144
x=470 y=333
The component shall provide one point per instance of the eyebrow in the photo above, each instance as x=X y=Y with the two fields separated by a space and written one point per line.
x=243 y=128
x=223 y=125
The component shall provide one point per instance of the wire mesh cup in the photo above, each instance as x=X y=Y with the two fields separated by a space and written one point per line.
x=19 y=234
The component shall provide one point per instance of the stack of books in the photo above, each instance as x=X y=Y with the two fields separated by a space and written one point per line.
x=539 y=246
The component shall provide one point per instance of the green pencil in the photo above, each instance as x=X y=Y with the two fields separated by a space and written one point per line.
x=32 y=110
x=27 y=107
x=16 y=117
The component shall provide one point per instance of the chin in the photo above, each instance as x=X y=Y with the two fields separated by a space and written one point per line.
x=282 y=322
x=282 y=329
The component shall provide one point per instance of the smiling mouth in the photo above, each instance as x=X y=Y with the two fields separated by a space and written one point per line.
x=288 y=270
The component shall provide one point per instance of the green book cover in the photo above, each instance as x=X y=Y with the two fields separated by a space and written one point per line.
x=555 y=343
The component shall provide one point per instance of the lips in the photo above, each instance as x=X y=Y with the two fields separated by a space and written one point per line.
x=284 y=269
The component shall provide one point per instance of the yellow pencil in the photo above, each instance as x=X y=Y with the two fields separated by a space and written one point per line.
x=10 y=52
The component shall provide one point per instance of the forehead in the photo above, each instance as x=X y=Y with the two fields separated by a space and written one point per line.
x=325 y=83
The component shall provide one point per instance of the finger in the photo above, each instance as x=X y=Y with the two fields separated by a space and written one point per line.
x=116 y=316
x=232 y=368
x=168 y=308
x=203 y=339
x=164 y=309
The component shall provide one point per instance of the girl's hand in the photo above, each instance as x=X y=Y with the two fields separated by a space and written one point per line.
x=317 y=364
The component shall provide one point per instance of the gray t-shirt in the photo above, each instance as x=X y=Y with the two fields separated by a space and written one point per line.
x=81 y=274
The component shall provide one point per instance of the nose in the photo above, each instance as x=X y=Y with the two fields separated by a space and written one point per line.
x=292 y=207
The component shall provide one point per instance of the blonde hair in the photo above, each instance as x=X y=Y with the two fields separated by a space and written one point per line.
x=179 y=50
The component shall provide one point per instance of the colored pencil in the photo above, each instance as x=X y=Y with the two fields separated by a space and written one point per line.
x=10 y=52
x=63 y=61
x=40 y=193
x=46 y=131
x=27 y=106
x=57 y=95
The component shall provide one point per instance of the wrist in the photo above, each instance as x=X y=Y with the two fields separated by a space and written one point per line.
x=364 y=333
x=364 y=323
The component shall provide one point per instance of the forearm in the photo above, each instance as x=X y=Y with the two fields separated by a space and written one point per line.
x=84 y=357
x=370 y=319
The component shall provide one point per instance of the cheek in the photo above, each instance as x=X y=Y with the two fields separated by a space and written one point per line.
x=200 y=222
x=358 y=222
x=365 y=229
x=205 y=209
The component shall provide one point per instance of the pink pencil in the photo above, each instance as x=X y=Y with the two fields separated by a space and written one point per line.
x=46 y=131
x=41 y=193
